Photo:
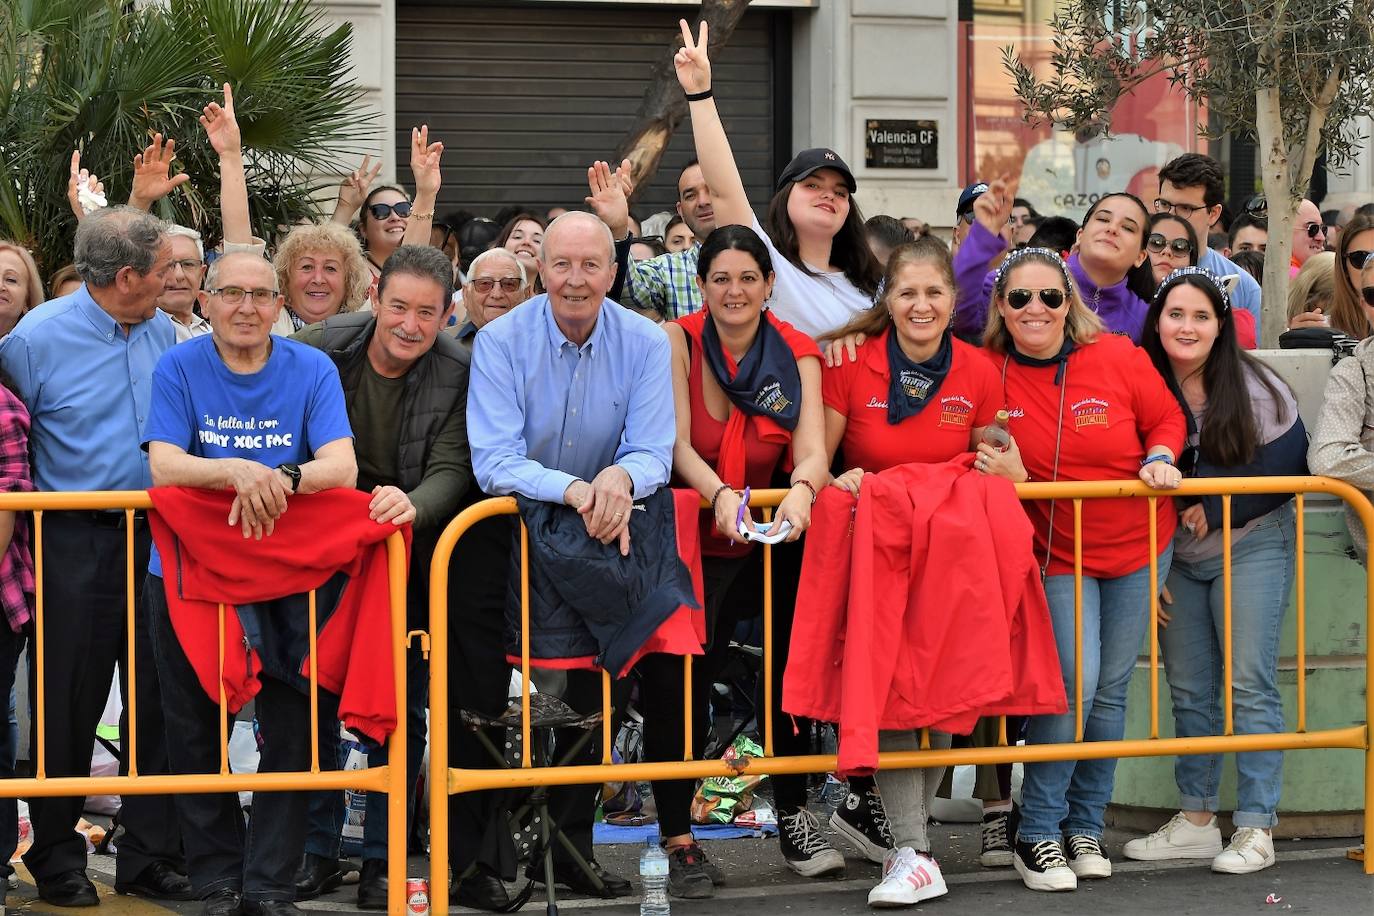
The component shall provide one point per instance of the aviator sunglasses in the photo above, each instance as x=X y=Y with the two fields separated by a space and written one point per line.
x=1020 y=298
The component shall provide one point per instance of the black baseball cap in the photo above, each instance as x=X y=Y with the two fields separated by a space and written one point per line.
x=813 y=160
x=966 y=199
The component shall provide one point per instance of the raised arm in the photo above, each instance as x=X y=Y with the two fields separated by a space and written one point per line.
x=713 y=147
x=152 y=181
x=84 y=190
x=222 y=130
x=424 y=164
x=353 y=191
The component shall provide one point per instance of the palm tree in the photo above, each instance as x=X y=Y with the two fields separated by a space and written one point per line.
x=102 y=76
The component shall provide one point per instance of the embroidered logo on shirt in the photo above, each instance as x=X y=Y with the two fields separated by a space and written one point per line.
x=771 y=398
x=1015 y=412
x=955 y=410
x=1089 y=412
x=876 y=404
x=916 y=385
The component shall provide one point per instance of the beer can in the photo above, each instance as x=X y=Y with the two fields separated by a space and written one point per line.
x=417 y=896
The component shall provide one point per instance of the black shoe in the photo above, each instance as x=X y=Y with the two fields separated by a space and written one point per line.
x=223 y=903
x=317 y=875
x=574 y=879
x=687 y=877
x=160 y=881
x=69 y=888
x=862 y=821
x=804 y=847
x=372 y=885
x=481 y=890
x=271 y=908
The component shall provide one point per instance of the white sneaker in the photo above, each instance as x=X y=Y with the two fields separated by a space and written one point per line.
x=1042 y=866
x=908 y=877
x=1178 y=839
x=1251 y=850
x=1086 y=858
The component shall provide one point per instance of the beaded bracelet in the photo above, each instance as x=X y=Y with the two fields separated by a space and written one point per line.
x=808 y=485
x=715 y=497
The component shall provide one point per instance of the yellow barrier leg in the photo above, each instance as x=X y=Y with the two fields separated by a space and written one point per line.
x=398 y=785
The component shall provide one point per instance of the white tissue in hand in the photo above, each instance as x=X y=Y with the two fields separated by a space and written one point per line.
x=90 y=200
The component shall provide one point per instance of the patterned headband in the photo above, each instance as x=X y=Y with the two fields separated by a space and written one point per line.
x=1177 y=277
x=1019 y=254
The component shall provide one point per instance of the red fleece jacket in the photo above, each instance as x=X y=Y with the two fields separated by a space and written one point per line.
x=206 y=562
x=919 y=605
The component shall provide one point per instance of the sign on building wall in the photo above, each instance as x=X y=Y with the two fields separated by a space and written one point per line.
x=890 y=144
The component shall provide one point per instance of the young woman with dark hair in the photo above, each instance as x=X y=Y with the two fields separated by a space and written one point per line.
x=815 y=232
x=521 y=236
x=747 y=388
x=1242 y=422
x=1172 y=244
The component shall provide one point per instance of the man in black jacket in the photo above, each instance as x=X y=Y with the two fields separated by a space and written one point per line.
x=405 y=385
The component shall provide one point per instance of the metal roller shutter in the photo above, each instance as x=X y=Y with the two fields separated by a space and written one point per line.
x=525 y=98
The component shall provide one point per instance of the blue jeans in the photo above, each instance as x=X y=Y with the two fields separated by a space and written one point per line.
x=1069 y=797
x=1261 y=573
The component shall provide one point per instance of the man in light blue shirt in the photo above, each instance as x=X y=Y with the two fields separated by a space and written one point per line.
x=1192 y=187
x=570 y=400
x=83 y=365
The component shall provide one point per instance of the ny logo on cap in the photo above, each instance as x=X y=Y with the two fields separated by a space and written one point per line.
x=830 y=155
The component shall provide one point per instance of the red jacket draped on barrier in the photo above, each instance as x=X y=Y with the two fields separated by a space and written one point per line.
x=920 y=605
x=206 y=562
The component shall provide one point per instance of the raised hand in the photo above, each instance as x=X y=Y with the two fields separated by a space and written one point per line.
x=85 y=192
x=221 y=127
x=353 y=189
x=609 y=199
x=424 y=162
x=993 y=207
x=692 y=65
x=151 y=179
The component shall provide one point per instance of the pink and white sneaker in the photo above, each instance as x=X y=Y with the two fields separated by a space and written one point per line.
x=908 y=877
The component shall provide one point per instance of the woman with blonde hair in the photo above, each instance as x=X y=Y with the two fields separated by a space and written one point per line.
x=321 y=272
x=21 y=288
x=1346 y=312
x=1311 y=296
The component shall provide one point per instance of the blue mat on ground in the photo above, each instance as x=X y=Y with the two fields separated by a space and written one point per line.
x=611 y=835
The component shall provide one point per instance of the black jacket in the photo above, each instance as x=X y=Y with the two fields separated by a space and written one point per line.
x=588 y=601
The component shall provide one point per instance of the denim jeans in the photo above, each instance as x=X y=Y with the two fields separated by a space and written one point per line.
x=1192 y=645
x=1065 y=798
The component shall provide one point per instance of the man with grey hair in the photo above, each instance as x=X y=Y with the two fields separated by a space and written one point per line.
x=571 y=402
x=178 y=300
x=496 y=284
x=83 y=365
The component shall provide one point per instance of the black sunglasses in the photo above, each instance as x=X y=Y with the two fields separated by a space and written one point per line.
x=1157 y=243
x=384 y=211
x=1367 y=294
x=1020 y=298
x=1314 y=229
x=1358 y=258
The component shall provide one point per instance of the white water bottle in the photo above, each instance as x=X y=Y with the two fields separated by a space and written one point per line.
x=653 y=874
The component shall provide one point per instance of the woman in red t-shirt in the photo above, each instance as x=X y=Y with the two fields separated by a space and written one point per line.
x=748 y=392
x=1084 y=405
x=912 y=393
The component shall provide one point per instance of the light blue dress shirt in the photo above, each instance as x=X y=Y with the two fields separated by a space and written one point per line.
x=1247 y=293
x=543 y=412
x=88 y=387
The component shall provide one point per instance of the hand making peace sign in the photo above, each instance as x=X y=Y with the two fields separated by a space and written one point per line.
x=693 y=67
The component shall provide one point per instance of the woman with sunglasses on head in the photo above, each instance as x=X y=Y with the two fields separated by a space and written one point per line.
x=1242 y=422
x=1345 y=312
x=1109 y=266
x=826 y=273
x=937 y=394
x=1173 y=244
x=1084 y=405
x=748 y=393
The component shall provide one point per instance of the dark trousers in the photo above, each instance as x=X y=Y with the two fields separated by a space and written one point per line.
x=260 y=860
x=85 y=637
x=734 y=592
x=11 y=647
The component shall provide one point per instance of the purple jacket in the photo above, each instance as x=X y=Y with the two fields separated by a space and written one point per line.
x=1121 y=310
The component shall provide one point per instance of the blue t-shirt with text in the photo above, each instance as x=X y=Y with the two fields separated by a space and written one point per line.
x=280 y=414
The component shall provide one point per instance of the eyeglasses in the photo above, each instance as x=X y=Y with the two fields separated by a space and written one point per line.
x=508 y=284
x=1357 y=258
x=1183 y=210
x=384 y=211
x=1367 y=294
x=1157 y=244
x=233 y=295
x=1313 y=229
x=1020 y=298
x=188 y=264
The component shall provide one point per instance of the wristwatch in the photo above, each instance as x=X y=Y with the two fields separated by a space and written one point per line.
x=294 y=472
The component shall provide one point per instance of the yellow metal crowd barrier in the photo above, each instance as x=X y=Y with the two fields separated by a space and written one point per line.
x=1354 y=737
x=378 y=779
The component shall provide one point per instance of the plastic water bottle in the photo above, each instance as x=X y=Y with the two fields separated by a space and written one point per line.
x=653 y=874
x=996 y=433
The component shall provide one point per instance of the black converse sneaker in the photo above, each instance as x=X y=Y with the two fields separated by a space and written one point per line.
x=1042 y=866
x=862 y=821
x=805 y=848
x=1086 y=857
x=996 y=847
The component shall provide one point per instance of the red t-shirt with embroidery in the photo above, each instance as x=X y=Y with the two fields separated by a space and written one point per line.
x=1115 y=408
x=969 y=398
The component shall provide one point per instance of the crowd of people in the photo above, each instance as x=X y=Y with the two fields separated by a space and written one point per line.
x=590 y=365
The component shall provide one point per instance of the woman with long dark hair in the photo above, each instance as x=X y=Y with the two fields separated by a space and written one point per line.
x=522 y=235
x=826 y=272
x=748 y=392
x=1242 y=422
x=1172 y=244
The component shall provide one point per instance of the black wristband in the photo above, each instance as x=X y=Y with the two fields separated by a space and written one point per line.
x=698 y=96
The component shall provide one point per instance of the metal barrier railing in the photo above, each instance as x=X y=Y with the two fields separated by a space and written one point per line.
x=1355 y=737
x=378 y=779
